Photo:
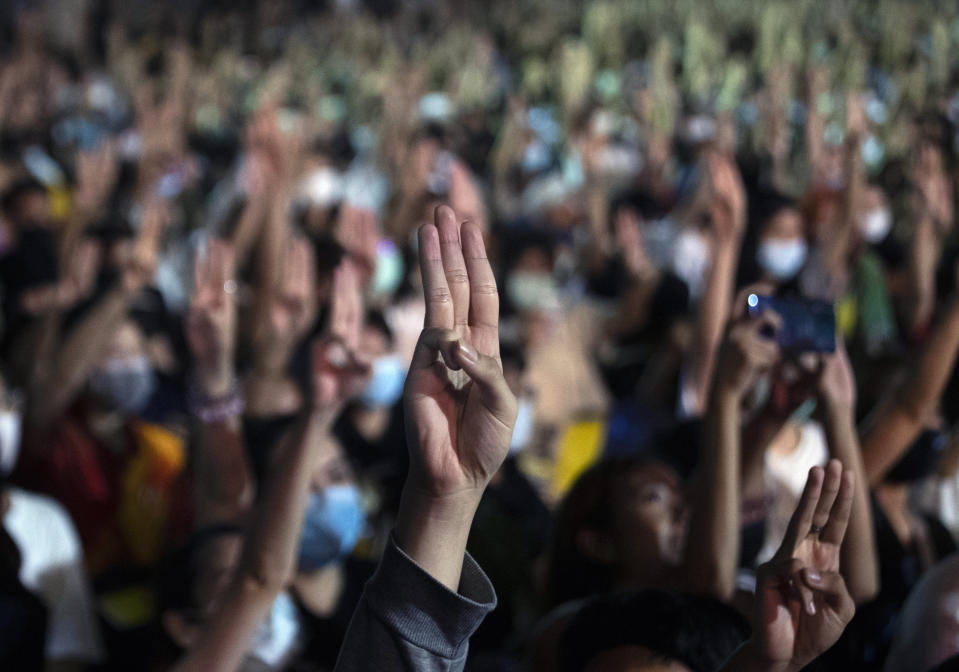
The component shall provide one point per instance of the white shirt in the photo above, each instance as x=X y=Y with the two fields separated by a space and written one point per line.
x=786 y=477
x=52 y=568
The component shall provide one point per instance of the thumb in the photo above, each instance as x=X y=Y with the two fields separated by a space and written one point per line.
x=833 y=589
x=487 y=374
x=433 y=340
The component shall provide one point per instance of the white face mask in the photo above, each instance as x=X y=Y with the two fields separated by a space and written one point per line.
x=322 y=188
x=691 y=259
x=10 y=427
x=523 y=428
x=276 y=636
x=782 y=259
x=875 y=225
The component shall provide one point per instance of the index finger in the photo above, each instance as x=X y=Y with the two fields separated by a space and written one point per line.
x=801 y=522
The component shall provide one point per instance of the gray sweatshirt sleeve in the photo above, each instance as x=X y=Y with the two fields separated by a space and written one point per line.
x=407 y=620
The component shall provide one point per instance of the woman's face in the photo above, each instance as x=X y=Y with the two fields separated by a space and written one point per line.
x=649 y=522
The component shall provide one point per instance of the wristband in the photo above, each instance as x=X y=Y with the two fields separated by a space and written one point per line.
x=215 y=409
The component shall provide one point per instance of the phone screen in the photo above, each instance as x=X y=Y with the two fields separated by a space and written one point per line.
x=808 y=325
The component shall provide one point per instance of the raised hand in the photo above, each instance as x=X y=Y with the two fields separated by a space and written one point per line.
x=359 y=233
x=802 y=604
x=292 y=305
x=747 y=350
x=630 y=240
x=139 y=266
x=211 y=321
x=836 y=383
x=727 y=199
x=97 y=172
x=459 y=409
x=339 y=371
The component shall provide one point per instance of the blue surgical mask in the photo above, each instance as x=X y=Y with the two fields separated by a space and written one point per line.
x=125 y=384
x=333 y=523
x=386 y=386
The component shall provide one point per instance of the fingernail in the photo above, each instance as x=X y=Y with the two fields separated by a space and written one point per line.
x=814 y=577
x=812 y=608
x=468 y=352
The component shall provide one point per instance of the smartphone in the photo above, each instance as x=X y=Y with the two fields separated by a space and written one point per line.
x=808 y=325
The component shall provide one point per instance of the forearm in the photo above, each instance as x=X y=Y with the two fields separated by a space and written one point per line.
x=77 y=357
x=433 y=531
x=269 y=555
x=712 y=549
x=898 y=420
x=838 y=251
x=858 y=558
x=225 y=486
x=922 y=391
x=923 y=260
x=714 y=307
x=269 y=262
x=248 y=230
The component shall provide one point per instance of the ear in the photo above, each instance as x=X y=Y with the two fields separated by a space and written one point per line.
x=595 y=545
x=179 y=628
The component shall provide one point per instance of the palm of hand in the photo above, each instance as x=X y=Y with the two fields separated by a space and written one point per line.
x=211 y=320
x=339 y=371
x=450 y=404
x=292 y=307
x=794 y=633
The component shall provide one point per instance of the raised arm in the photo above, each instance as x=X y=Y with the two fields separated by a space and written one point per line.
x=425 y=601
x=269 y=554
x=899 y=418
x=727 y=208
x=816 y=84
x=712 y=549
x=844 y=234
x=224 y=488
x=933 y=212
x=60 y=381
x=858 y=559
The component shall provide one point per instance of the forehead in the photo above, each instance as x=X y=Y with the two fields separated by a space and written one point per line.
x=651 y=472
x=786 y=223
x=633 y=658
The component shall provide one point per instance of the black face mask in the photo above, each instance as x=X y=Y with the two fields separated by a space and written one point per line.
x=920 y=460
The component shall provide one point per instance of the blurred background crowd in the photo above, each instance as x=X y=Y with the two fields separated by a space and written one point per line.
x=181 y=179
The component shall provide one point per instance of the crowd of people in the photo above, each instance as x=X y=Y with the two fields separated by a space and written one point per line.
x=378 y=335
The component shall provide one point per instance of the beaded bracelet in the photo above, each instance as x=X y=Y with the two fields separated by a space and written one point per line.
x=215 y=409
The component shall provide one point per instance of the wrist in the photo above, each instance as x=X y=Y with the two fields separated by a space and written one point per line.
x=433 y=530
x=217 y=380
x=725 y=391
x=835 y=407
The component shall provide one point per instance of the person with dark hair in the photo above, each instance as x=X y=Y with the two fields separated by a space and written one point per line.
x=652 y=629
